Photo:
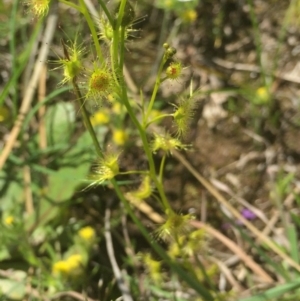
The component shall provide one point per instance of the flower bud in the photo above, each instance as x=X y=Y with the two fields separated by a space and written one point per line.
x=170 y=52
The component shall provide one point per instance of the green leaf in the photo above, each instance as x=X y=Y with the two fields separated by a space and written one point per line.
x=292 y=236
x=12 y=289
x=60 y=122
x=275 y=292
x=63 y=183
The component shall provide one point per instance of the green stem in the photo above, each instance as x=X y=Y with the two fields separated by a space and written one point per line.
x=146 y=146
x=116 y=43
x=161 y=169
x=156 y=86
x=115 y=51
x=86 y=119
x=120 y=14
x=122 y=52
x=108 y=15
x=142 y=133
x=157 y=118
x=134 y=172
x=92 y=29
x=118 y=50
x=113 y=65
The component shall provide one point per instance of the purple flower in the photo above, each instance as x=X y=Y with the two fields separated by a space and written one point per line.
x=248 y=214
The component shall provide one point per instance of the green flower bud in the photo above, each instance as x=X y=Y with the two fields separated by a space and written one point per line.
x=170 y=52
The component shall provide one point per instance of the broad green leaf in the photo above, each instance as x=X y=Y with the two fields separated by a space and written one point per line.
x=62 y=184
x=12 y=289
x=60 y=122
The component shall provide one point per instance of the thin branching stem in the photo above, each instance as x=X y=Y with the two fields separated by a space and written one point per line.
x=143 y=136
x=158 y=118
x=155 y=90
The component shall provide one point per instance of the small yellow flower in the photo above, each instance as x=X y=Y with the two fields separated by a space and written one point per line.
x=60 y=266
x=72 y=266
x=88 y=234
x=120 y=137
x=8 y=221
x=262 y=96
x=74 y=262
x=100 y=117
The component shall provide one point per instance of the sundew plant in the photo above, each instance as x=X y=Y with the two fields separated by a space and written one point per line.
x=99 y=83
x=61 y=253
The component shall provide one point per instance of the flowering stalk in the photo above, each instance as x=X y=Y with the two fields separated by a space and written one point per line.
x=158 y=118
x=119 y=48
x=155 y=89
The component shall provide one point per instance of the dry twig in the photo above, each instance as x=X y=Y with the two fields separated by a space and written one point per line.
x=29 y=93
x=110 y=250
x=263 y=238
